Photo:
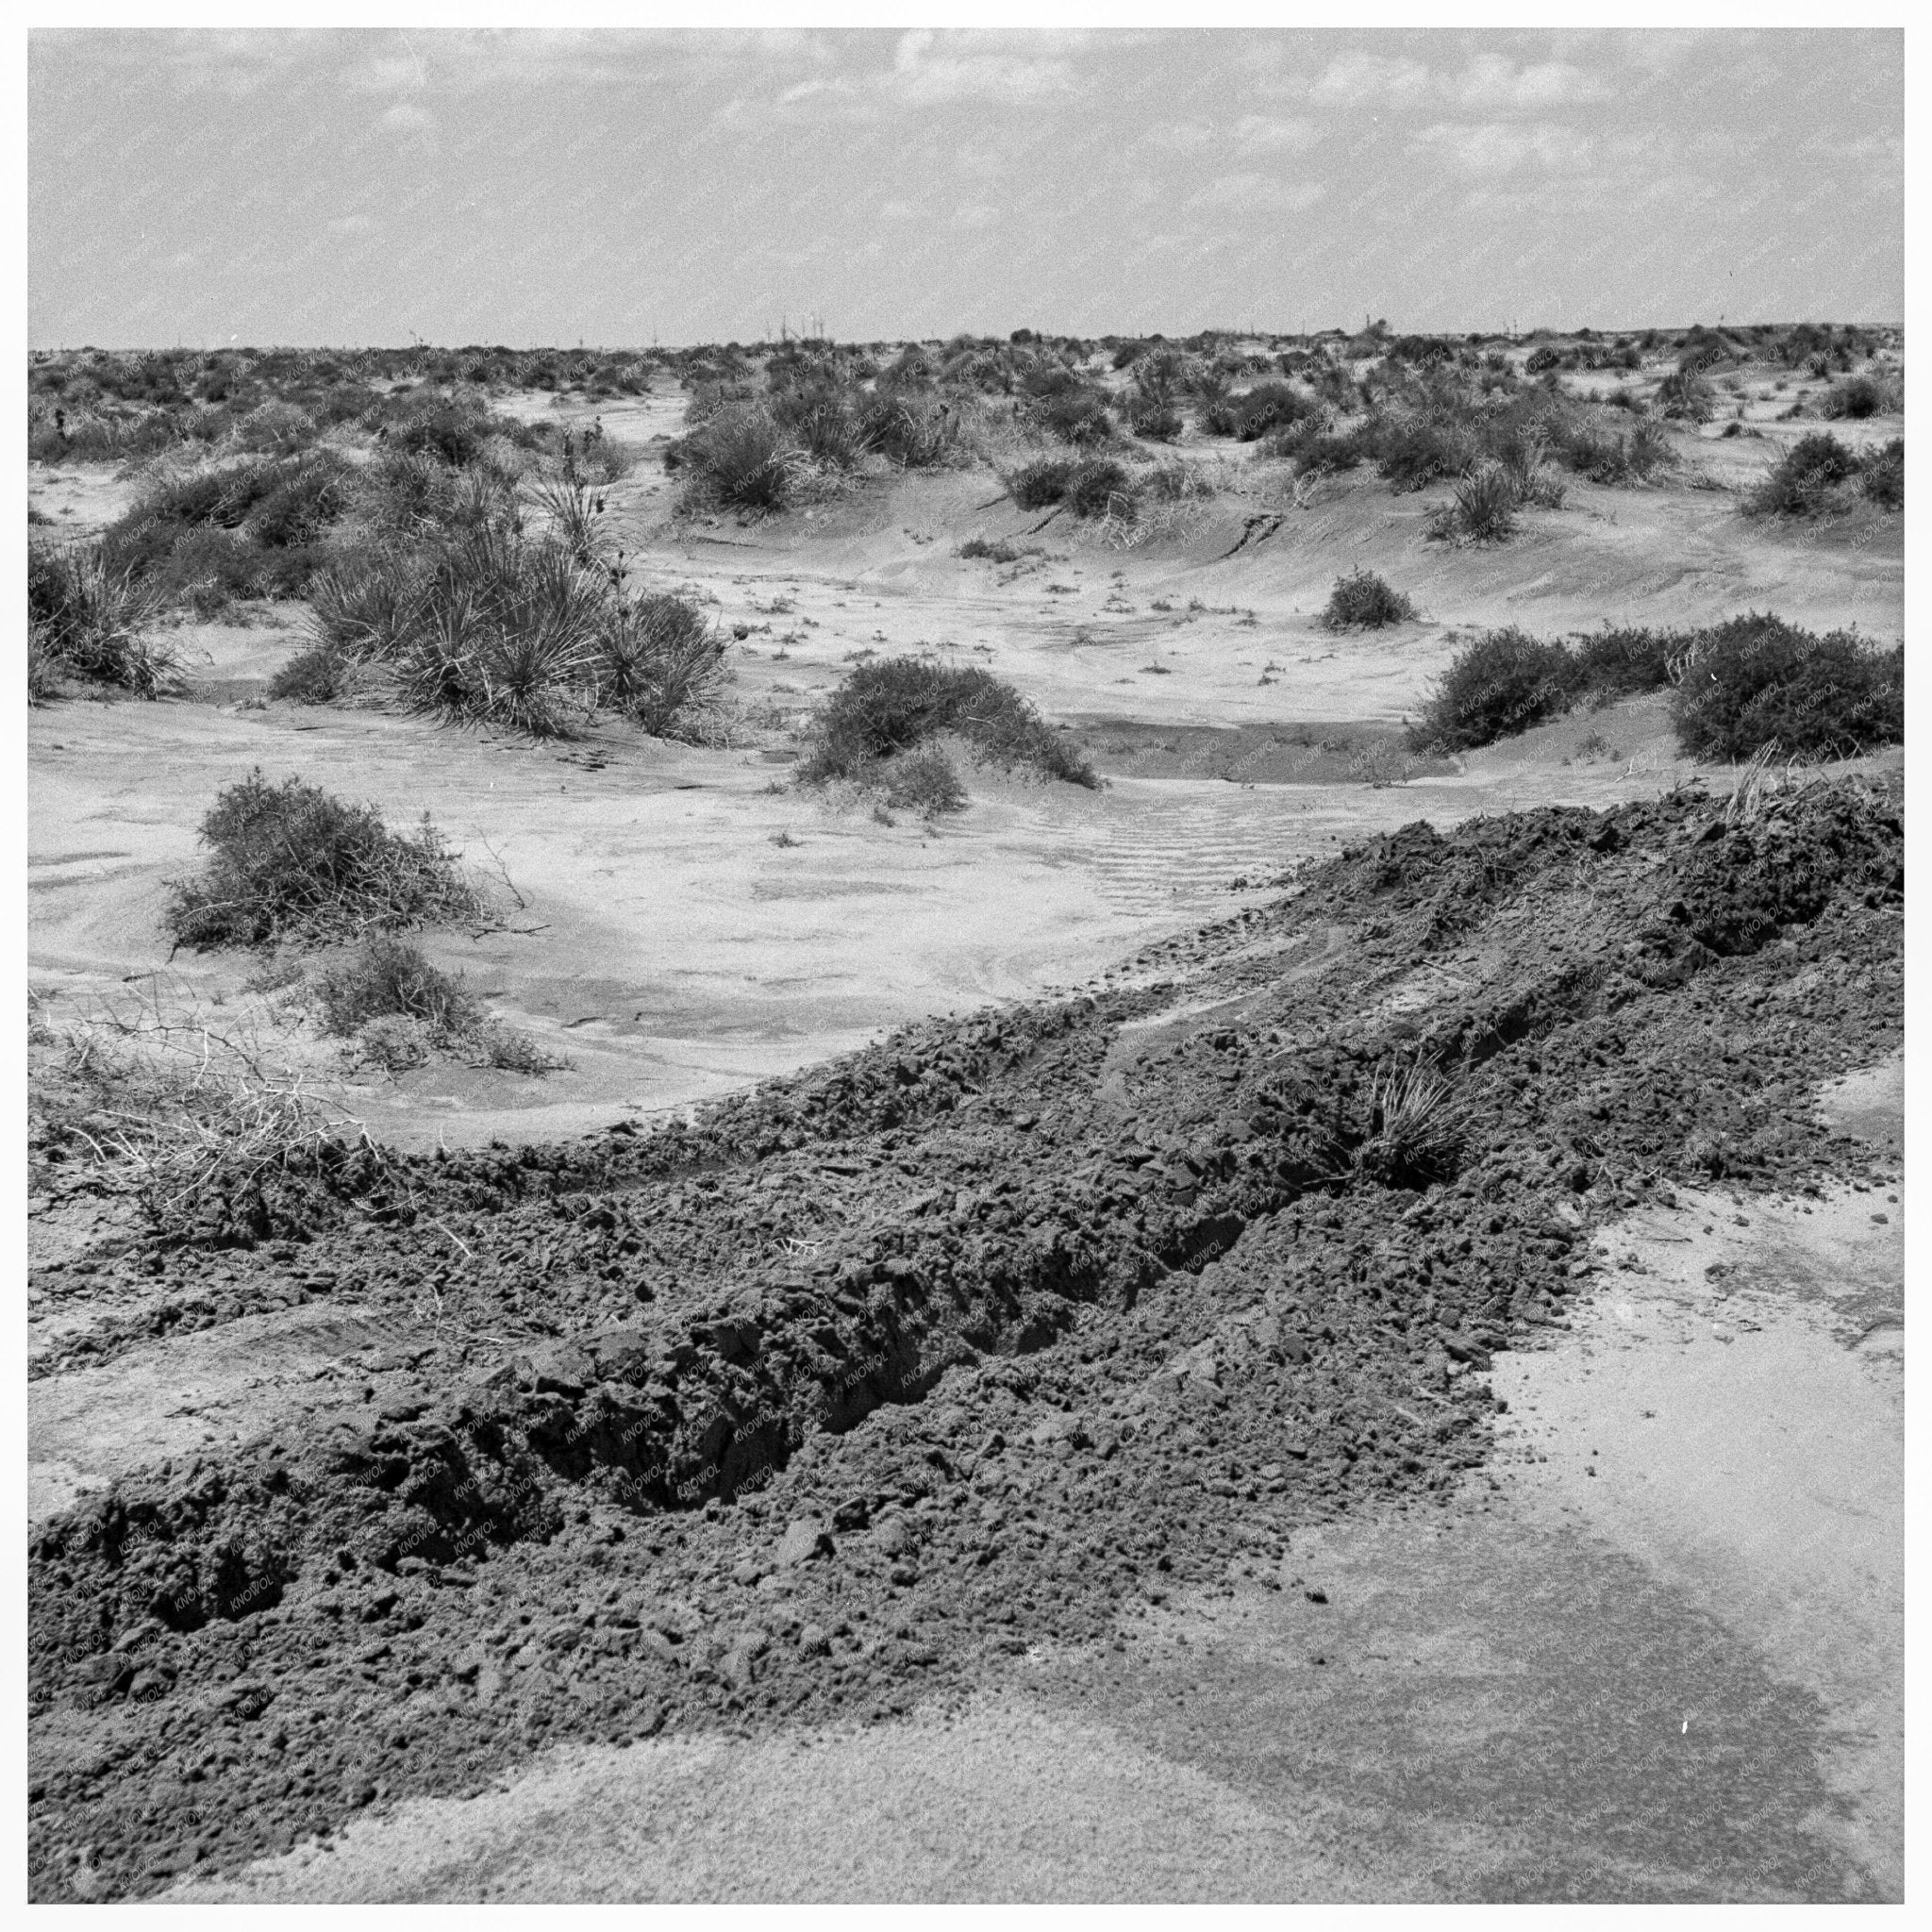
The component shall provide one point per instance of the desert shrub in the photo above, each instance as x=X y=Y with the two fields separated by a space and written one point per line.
x=1884 y=476
x=400 y=1008
x=998 y=551
x=895 y=704
x=1363 y=600
x=1857 y=397
x=1411 y=452
x=289 y=861
x=362 y=607
x=1498 y=684
x=1155 y=422
x=1648 y=449
x=917 y=432
x=1482 y=509
x=275 y=426
x=1758 y=680
x=1252 y=413
x=923 y=781
x=315 y=676
x=1805 y=481
x=43 y=670
x=1099 y=488
x=657 y=662
x=1686 y=393
x=92 y=619
x=1623 y=659
x=740 y=457
x=1179 y=482
x=1314 y=449
x=1037 y=484
x=388 y=979
x=455 y=429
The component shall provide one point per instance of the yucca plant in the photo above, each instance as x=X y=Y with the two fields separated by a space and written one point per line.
x=1415 y=1128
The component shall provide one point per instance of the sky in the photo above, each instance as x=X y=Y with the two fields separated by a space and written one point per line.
x=621 y=189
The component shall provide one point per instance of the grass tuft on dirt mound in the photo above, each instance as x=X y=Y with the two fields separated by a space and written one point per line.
x=291 y=861
x=893 y=706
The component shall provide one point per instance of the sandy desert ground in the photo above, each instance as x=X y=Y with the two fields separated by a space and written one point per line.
x=1648 y=1647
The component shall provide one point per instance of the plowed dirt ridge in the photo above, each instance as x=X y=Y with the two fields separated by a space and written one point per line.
x=839 y=1398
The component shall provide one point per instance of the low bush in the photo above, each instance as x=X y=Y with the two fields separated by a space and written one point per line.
x=895 y=704
x=1686 y=393
x=1806 y=480
x=289 y=861
x=1758 y=680
x=739 y=458
x=997 y=550
x=1884 y=477
x=1038 y=484
x=400 y=1008
x=317 y=675
x=1099 y=488
x=1500 y=683
x=1411 y=452
x=1857 y=396
x=923 y=781
x=1624 y=661
x=388 y=979
x=1363 y=601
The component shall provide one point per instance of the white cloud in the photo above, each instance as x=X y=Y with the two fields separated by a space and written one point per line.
x=1259 y=130
x=977 y=215
x=352 y=224
x=1490 y=81
x=920 y=76
x=408 y=116
x=1258 y=192
x=897 y=211
x=1493 y=148
x=1371 y=77
x=1182 y=137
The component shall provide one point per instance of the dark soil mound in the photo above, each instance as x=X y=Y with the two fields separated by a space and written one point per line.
x=830 y=1402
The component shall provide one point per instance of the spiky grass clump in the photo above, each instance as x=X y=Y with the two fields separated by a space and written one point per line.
x=1364 y=601
x=658 y=663
x=87 y=618
x=740 y=457
x=1415 y=1129
x=289 y=861
x=1482 y=510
